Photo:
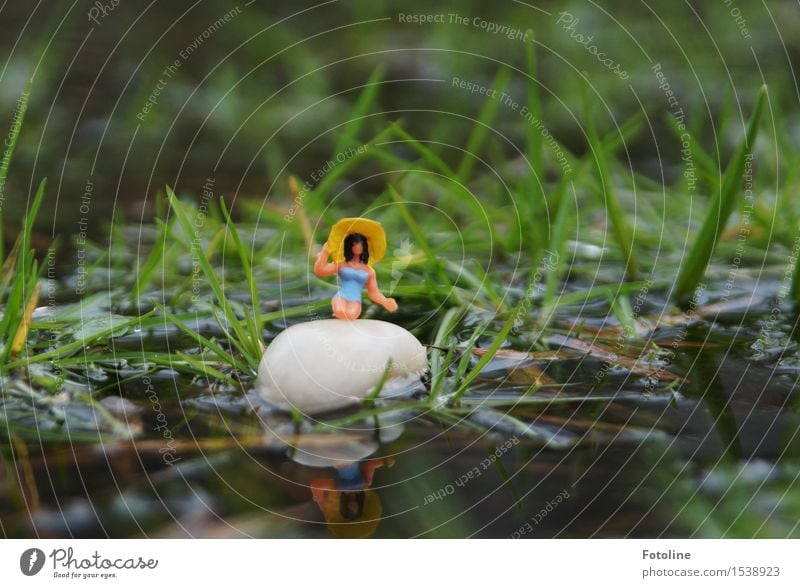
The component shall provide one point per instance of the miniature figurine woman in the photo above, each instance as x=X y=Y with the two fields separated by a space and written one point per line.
x=355 y=244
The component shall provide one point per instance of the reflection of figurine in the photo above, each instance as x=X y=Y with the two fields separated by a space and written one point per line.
x=355 y=244
x=349 y=507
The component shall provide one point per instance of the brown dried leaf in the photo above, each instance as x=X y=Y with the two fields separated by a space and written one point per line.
x=555 y=355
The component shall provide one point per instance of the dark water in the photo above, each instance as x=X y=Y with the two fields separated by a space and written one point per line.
x=168 y=455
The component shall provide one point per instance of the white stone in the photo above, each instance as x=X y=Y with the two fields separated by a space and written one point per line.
x=327 y=364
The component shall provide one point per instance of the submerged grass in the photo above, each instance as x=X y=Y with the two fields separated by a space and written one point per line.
x=8 y=153
x=443 y=337
x=198 y=329
x=623 y=233
x=483 y=124
x=536 y=200
x=498 y=340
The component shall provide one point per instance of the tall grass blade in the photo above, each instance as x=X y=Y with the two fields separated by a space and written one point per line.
x=316 y=202
x=558 y=237
x=69 y=348
x=369 y=401
x=706 y=165
x=433 y=160
x=20 y=336
x=156 y=256
x=212 y=346
x=621 y=306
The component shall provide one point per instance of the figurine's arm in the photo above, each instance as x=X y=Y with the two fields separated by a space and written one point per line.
x=375 y=295
x=321 y=267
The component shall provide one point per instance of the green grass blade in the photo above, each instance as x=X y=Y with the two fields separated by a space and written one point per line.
x=30 y=218
x=482 y=126
x=558 y=237
x=223 y=355
x=240 y=337
x=476 y=280
x=8 y=152
x=433 y=160
x=537 y=220
x=204 y=369
x=623 y=234
x=421 y=240
x=253 y=322
x=722 y=206
x=69 y=348
x=455 y=189
x=705 y=163
x=369 y=401
x=438 y=370
x=466 y=355
x=18 y=334
x=621 y=306
x=223 y=322
x=357 y=116
x=23 y=279
x=581 y=297
x=535 y=142
x=623 y=134
x=12 y=311
x=156 y=255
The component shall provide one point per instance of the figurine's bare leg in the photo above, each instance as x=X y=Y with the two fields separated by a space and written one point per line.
x=348 y=310
x=339 y=307
x=353 y=310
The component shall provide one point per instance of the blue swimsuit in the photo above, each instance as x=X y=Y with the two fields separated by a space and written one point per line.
x=352 y=282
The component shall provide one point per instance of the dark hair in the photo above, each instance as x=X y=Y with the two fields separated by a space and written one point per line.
x=351 y=510
x=352 y=239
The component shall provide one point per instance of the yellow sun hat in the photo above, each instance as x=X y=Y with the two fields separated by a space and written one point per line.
x=372 y=230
